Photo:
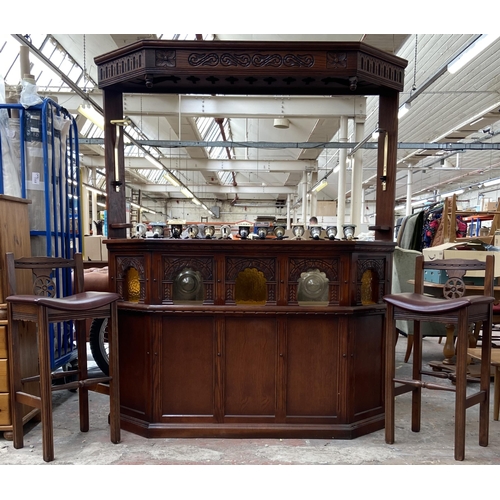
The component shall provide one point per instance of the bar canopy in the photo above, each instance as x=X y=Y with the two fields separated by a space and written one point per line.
x=252 y=68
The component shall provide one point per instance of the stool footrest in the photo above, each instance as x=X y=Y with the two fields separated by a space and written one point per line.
x=29 y=400
x=81 y=383
x=426 y=385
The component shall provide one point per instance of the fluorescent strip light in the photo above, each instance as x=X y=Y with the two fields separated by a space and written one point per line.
x=185 y=191
x=336 y=169
x=404 y=109
x=99 y=204
x=91 y=114
x=170 y=178
x=319 y=185
x=154 y=162
x=451 y=193
x=144 y=209
x=491 y=183
x=95 y=190
x=470 y=52
x=196 y=201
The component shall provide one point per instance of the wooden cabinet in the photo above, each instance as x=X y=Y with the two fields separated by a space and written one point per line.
x=222 y=365
x=14 y=237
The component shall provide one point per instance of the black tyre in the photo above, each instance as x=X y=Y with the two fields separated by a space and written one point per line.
x=99 y=343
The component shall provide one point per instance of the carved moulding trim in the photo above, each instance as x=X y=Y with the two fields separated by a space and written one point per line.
x=267 y=266
x=377 y=266
x=329 y=267
x=123 y=264
x=381 y=70
x=336 y=60
x=246 y=60
x=123 y=65
x=165 y=58
x=173 y=266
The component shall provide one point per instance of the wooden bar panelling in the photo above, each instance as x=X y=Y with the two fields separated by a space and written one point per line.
x=228 y=369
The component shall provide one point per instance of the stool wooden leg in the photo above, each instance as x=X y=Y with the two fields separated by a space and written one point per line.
x=390 y=368
x=416 y=397
x=15 y=385
x=484 y=404
x=114 y=384
x=83 y=392
x=461 y=386
x=45 y=385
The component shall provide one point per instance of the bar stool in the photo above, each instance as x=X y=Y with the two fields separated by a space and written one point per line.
x=460 y=310
x=44 y=308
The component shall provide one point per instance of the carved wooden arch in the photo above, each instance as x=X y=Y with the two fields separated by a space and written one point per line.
x=258 y=68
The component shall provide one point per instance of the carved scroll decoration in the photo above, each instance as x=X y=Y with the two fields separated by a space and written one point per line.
x=247 y=60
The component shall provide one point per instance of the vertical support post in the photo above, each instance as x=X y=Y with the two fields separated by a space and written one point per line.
x=357 y=176
x=386 y=166
x=115 y=201
x=342 y=173
x=409 y=190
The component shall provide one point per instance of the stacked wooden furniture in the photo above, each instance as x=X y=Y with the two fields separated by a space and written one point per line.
x=14 y=237
x=450 y=212
x=222 y=366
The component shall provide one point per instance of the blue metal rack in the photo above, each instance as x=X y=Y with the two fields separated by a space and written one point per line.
x=46 y=156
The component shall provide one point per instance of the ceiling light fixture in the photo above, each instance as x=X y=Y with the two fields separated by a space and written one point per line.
x=404 y=109
x=493 y=182
x=281 y=123
x=89 y=112
x=320 y=185
x=470 y=52
x=451 y=193
x=186 y=192
x=154 y=162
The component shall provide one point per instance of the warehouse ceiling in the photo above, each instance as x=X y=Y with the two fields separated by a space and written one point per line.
x=448 y=140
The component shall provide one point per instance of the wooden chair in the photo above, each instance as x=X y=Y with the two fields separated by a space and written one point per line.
x=44 y=308
x=460 y=310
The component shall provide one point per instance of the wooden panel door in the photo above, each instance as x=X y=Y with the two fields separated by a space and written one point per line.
x=187 y=368
x=312 y=368
x=249 y=367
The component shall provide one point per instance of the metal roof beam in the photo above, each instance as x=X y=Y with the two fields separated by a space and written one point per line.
x=213 y=165
x=451 y=146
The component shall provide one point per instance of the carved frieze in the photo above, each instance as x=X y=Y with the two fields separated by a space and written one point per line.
x=122 y=65
x=251 y=60
x=236 y=265
x=298 y=265
x=381 y=70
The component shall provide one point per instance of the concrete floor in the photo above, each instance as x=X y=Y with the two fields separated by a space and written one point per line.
x=432 y=446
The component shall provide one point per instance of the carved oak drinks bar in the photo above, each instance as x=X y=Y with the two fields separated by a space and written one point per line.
x=275 y=338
